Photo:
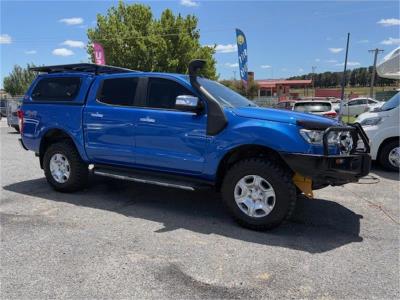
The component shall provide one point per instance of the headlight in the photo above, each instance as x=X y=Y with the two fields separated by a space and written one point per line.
x=316 y=136
x=312 y=136
x=371 y=121
x=342 y=139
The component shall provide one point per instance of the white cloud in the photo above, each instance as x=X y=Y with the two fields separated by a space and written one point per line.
x=265 y=66
x=335 y=50
x=300 y=70
x=30 y=52
x=62 y=52
x=73 y=44
x=5 y=39
x=232 y=65
x=363 y=41
x=189 y=3
x=317 y=59
x=389 y=22
x=349 y=64
x=72 y=21
x=391 y=41
x=228 y=48
x=331 y=61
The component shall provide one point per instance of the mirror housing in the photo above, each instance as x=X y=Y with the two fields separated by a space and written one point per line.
x=188 y=103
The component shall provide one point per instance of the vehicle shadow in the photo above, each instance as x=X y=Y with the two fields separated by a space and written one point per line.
x=317 y=225
x=378 y=170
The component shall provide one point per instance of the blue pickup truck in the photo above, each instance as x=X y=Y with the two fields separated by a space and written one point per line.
x=186 y=132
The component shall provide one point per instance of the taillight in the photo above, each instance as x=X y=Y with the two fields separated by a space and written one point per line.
x=330 y=114
x=20 y=115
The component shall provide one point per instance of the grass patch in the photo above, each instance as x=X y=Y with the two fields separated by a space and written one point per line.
x=348 y=119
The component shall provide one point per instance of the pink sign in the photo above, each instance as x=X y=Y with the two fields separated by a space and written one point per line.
x=99 y=57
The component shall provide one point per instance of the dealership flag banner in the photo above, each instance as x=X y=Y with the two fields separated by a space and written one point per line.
x=99 y=57
x=242 y=53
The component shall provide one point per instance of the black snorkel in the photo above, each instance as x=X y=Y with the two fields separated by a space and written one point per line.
x=216 y=120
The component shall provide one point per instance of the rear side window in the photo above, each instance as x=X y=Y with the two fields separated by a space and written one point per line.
x=118 y=91
x=56 y=89
x=162 y=93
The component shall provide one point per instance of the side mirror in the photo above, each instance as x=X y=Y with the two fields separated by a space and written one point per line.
x=188 y=103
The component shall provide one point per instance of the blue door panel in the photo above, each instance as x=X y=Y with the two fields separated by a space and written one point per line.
x=170 y=140
x=109 y=134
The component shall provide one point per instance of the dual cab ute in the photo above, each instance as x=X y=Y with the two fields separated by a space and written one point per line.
x=186 y=132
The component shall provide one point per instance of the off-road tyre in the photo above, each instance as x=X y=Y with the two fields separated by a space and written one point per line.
x=280 y=180
x=384 y=156
x=78 y=169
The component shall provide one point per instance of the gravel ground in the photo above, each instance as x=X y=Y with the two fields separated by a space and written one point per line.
x=123 y=240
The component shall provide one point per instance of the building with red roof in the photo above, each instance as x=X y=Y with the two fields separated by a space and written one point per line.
x=281 y=87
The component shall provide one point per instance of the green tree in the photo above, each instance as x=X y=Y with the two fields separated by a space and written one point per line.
x=19 y=80
x=133 y=38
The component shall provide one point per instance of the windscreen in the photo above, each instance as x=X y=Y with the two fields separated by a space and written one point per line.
x=225 y=96
x=392 y=103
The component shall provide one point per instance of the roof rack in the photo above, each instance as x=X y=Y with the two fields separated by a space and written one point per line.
x=82 y=67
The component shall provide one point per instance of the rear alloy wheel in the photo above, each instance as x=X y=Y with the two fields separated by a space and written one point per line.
x=260 y=194
x=389 y=156
x=64 y=168
x=60 y=168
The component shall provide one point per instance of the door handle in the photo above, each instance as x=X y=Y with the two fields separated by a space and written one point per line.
x=147 y=120
x=96 y=115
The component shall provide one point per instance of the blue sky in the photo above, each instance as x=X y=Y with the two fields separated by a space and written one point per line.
x=284 y=38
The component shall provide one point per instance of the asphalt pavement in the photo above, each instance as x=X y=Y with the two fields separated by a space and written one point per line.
x=123 y=240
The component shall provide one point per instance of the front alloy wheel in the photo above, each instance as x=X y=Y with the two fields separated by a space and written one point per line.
x=255 y=196
x=394 y=157
x=389 y=156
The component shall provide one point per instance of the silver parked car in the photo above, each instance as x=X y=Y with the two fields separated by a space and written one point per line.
x=12 y=116
x=357 y=106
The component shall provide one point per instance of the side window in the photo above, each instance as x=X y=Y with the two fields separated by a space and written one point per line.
x=371 y=102
x=161 y=93
x=355 y=102
x=56 y=89
x=118 y=91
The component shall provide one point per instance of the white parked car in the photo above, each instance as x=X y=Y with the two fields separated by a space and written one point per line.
x=383 y=130
x=322 y=108
x=357 y=106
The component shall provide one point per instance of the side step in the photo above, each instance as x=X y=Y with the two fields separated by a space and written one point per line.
x=150 y=178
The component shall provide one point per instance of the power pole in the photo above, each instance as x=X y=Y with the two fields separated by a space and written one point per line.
x=343 y=83
x=234 y=75
x=376 y=52
x=313 y=68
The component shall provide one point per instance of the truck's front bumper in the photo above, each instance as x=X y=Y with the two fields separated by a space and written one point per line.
x=325 y=169
x=329 y=170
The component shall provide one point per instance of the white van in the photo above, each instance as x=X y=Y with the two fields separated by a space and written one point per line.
x=382 y=127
